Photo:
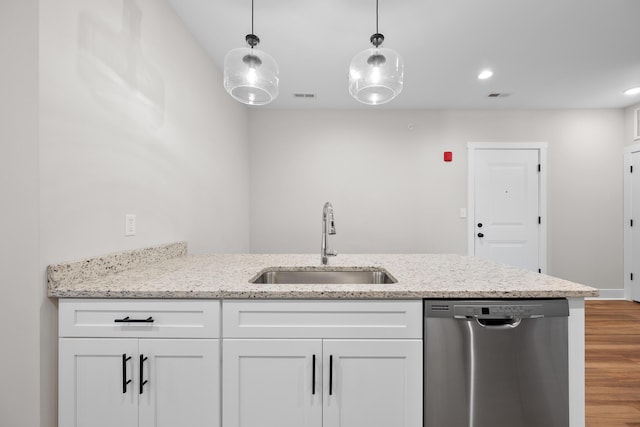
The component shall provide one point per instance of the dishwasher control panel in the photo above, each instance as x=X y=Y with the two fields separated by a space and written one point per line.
x=496 y=309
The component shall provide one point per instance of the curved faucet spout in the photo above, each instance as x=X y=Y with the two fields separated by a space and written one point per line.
x=328 y=228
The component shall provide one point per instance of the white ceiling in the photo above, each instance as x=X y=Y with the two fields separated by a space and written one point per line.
x=545 y=53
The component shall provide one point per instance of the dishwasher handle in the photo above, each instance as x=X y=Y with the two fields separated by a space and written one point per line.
x=499 y=324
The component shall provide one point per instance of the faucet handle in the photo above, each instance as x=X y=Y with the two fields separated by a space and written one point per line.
x=331 y=252
x=332 y=222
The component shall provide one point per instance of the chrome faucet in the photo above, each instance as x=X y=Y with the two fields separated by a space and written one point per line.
x=328 y=227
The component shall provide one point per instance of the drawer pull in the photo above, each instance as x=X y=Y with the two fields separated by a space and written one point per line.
x=330 y=374
x=125 y=381
x=142 y=380
x=129 y=320
x=313 y=376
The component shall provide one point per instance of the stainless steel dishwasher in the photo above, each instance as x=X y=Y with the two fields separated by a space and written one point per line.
x=496 y=363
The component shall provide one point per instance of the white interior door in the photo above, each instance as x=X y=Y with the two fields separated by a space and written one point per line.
x=635 y=230
x=507 y=207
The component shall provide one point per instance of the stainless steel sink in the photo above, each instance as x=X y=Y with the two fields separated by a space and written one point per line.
x=324 y=276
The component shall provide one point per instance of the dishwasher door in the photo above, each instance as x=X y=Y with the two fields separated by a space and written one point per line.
x=496 y=363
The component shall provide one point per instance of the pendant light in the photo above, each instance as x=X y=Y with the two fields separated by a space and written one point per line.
x=251 y=75
x=376 y=74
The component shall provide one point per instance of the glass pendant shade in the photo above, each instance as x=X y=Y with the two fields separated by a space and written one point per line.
x=376 y=75
x=251 y=76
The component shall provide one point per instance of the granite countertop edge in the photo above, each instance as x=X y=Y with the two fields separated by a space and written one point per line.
x=155 y=295
x=168 y=272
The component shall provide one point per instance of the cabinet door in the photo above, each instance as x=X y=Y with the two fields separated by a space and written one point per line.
x=270 y=383
x=372 y=383
x=182 y=383
x=91 y=389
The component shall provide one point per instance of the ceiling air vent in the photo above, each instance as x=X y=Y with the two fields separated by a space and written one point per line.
x=498 y=95
x=301 y=95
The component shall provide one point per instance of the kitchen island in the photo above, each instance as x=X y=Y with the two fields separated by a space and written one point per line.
x=269 y=323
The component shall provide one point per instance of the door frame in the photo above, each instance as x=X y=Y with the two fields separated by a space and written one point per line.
x=628 y=289
x=472 y=147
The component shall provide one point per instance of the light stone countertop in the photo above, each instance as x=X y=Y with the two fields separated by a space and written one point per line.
x=169 y=272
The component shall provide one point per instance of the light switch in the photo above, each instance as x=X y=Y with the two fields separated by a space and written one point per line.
x=463 y=212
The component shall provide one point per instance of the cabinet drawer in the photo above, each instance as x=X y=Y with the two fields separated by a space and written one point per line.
x=321 y=319
x=139 y=318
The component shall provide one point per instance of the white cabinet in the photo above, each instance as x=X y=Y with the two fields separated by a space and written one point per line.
x=372 y=383
x=143 y=363
x=271 y=383
x=275 y=377
x=182 y=388
x=140 y=363
x=90 y=381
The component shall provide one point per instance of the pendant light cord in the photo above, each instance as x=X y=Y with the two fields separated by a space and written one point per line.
x=377 y=38
x=252 y=39
x=377 y=31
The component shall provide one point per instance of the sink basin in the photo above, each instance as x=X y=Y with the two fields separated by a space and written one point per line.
x=324 y=275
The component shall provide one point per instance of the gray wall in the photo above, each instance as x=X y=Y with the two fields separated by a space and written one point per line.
x=135 y=121
x=20 y=278
x=384 y=172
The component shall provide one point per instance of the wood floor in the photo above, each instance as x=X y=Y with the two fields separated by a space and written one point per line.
x=612 y=363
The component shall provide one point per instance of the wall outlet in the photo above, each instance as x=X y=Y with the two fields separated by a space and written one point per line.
x=129 y=225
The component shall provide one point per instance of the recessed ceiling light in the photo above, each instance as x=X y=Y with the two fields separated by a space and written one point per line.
x=632 y=91
x=485 y=74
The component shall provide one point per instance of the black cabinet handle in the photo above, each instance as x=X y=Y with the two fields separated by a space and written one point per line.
x=330 y=375
x=125 y=381
x=481 y=235
x=142 y=380
x=313 y=376
x=128 y=320
x=479 y=225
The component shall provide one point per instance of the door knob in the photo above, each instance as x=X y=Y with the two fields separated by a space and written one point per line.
x=481 y=235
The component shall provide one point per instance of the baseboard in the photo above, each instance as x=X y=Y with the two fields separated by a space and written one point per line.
x=609 y=294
